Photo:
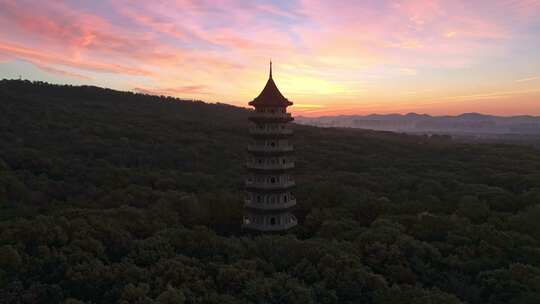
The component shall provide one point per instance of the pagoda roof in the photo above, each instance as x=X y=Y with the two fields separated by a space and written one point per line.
x=270 y=96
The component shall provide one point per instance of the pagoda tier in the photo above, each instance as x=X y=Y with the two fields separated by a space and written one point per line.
x=270 y=130
x=262 y=182
x=280 y=163
x=267 y=222
x=270 y=117
x=269 y=201
x=269 y=184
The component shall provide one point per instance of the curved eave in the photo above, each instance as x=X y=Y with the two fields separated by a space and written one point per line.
x=268 y=171
x=275 y=135
x=269 y=153
x=269 y=190
x=270 y=119
x=276 y=210
x=269 y=103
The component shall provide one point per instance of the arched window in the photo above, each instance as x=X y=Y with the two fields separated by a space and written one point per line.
x=285 y=198
x=273 y=180
x=259 y=199
x=272 y=221
x=272 y=144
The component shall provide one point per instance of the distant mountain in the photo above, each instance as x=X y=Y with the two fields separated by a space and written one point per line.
x=464 y=124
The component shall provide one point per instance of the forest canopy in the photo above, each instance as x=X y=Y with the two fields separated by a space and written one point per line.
x=117 y=197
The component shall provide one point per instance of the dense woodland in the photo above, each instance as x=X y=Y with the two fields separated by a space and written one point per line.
x=116 y=197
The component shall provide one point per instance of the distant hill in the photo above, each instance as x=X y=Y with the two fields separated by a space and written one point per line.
x=467 y=123
x=117 y=197
x=469 y=127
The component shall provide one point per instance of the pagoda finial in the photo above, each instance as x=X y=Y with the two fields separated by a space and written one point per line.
x=270 y=68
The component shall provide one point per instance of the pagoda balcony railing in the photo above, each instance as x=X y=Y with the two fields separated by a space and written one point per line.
x=268 y=227
x=257 y=131
x=270 y=115
x=266 y=166
x=269 y=206
x=270 y=186
x=263 y=148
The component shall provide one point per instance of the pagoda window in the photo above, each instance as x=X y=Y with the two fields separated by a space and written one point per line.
x=272 y=144
x=258 y=199
x=285 y=198
x=273 y=180
x=272 y=221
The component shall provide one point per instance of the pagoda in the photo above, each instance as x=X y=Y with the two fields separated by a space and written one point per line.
x=269 y=197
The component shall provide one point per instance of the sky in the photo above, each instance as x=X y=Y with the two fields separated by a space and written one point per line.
x=329 y=57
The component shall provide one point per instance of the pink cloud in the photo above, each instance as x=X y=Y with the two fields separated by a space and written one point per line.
x=5 y=58
x=43 y=58
x=176 y=91
x=79 y=34
x=62 y=72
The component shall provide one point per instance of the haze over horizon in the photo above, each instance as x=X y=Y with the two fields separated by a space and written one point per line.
x=330 y=58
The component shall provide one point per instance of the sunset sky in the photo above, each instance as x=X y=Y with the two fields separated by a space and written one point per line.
x=330 y=57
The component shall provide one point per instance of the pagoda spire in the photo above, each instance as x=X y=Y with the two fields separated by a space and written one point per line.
x=270 y=68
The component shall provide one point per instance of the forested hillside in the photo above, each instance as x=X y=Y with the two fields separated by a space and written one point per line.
x=115 y=197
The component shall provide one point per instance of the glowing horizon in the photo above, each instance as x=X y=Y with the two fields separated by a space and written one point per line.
x=330 y=57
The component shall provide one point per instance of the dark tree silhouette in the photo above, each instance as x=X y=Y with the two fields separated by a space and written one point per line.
x=116 y=197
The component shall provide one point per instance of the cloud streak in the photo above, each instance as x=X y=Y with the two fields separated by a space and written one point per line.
x=528 y=79
x=191 y=89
